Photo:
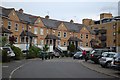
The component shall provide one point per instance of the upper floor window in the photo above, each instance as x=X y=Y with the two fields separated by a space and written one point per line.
x=59 y=34
x=16 y=27
x=35 y=30
x=86 y=36
x=41 y=32
x=114 y=33
x=81 y=36
x=9 y=25
x=65 y=34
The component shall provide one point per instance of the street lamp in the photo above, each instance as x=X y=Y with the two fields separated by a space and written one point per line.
x=27 y=39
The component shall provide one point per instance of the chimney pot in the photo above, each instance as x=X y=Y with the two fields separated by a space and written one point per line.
x=21 y=10
x=71 y=21
x=47 y=17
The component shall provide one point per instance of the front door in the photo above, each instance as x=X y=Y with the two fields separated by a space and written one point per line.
x=54 y=43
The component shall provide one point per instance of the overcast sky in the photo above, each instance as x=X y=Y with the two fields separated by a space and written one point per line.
x=65 y=10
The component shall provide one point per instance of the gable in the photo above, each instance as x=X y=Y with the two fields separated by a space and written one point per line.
x=62 y=27
x=39 y=22
x=84 y=30
x=13 y=16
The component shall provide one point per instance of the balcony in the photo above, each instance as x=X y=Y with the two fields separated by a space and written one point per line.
x=103 y=31
x=103 y=38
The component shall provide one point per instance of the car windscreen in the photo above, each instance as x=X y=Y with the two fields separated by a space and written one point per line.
x=6 y=49
x=79 y=53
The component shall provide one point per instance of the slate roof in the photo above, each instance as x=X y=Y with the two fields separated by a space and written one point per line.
x=50 y=36
x=6 y=11
x=49 y=23
x=4 y=30
x=74 y=39
x=30 y=34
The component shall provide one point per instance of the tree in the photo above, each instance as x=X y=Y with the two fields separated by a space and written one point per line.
x=3 y=41
x=72 y=48
x=12 y=40
x=45 y=48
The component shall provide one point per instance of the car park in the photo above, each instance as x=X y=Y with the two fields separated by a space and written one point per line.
x=78 y=55
x=95 y=54
x=106 y=59
x=116 y=61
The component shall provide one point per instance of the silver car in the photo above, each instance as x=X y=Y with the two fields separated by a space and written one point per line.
x=106 y=59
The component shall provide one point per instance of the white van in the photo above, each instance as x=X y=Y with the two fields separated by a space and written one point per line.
x=9 y=51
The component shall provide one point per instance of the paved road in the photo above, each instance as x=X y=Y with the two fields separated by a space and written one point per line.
x=56 y=68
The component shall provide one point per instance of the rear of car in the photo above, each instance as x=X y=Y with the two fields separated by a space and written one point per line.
x=95 y=55
x=106 y=59
x=116 y=61
x=78 y=55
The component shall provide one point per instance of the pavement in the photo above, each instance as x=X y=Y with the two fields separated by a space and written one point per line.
x=96 y=67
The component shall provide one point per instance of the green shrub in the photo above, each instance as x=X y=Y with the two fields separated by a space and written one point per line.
x=33 y=52
x=18 y=52
x=5 y=57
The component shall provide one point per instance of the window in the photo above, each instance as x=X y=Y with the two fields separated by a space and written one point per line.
x=81 y=36
x=16 y=39
x=59 y=42
x=65 y=34
x=114 y=33
x=35 y=30
x=86 y=36
x=59 y=34
x=22 y=39
x=86 y=44
x=41 y=32
x=35 y=41
x=81 y=44
x=114 y=26
x=47 y=31
x=41 y=42
x=50 y=42
x=16 y=27
x=64 y=43
x=9 y=25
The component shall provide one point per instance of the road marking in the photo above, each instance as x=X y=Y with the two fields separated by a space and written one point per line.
x=5 y=66
x=16 y=69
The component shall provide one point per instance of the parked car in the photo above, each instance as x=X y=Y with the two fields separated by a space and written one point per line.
x=106 y=59
x=9 y=51
x=56 y=54
x=95 y=54
x=78 y=55
x=116 y=61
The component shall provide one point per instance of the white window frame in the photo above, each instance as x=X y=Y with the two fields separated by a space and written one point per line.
x=64 y=34
x=16 y=39
x=16 y=27
x=41 y=31
x=81 y=36
x=35 y=30
x=65 y=43
x=87 y=36
x=9 y=24
x=59 y=33
x=86 y=44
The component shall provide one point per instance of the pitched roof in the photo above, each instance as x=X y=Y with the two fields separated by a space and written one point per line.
x=6 y=11
x=74 y=39
x=30 y=34
x=50 y=36
x=50 y=23
x=4 y=30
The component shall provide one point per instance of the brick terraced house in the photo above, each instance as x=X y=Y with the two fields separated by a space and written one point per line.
x=27 y=28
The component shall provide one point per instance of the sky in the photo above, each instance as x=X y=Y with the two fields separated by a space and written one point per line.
x=65 y=11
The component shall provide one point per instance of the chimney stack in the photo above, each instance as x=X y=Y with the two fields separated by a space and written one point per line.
x=21 y=10
x=71 y=21
x=47 y=17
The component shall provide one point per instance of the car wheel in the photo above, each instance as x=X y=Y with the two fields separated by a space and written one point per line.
x=108 y=64
x=103 y=66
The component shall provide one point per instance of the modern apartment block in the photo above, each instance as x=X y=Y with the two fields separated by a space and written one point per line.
x=106 y=30
x=39 y=31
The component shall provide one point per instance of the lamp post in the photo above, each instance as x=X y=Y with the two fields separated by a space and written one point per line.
x=27 y=39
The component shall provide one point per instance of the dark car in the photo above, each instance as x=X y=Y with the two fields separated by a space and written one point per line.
x=96 y=54
x=116 y=61
x=78 y=55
